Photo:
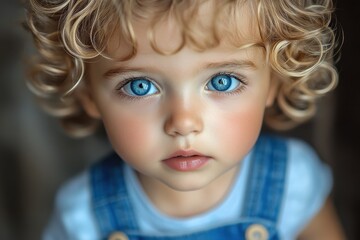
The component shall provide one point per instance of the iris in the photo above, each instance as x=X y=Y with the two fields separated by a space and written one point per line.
x=223 y=82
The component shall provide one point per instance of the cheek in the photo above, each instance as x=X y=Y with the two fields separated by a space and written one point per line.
x=239 y=130
x=130 y=136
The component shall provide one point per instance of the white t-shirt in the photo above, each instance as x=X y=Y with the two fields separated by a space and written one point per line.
x=308 y=182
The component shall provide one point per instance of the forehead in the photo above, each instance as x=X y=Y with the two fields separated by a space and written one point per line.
x=201 y=26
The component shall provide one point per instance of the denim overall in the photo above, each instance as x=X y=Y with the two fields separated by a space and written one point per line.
x=265 y=186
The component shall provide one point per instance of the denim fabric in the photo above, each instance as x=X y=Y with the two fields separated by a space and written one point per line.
x=110 y=199
x=227 y=232
x=267 y=179
x=264 y=194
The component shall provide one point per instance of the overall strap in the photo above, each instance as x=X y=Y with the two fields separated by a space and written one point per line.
x=266 y=180
x=111 y=203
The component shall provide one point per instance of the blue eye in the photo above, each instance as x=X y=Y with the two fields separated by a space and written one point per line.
x=140 y=87
x=223 y=83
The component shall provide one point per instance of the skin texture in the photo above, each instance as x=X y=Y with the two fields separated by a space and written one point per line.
x=182 y=113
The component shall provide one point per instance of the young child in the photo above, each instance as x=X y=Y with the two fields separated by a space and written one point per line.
x=182 y=89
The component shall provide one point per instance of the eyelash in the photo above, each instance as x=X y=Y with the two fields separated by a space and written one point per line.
x=242 y=86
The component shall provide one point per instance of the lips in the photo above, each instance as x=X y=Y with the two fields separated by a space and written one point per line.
x=186 y=160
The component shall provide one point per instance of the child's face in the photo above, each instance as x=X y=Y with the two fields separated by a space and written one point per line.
x=154 y=107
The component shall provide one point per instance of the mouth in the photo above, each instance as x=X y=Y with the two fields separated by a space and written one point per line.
x=185 y=161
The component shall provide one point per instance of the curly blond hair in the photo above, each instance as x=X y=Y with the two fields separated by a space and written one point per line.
x=296 y=34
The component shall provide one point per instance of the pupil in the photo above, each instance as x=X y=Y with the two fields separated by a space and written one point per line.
x=221 y=83
x=140 y=87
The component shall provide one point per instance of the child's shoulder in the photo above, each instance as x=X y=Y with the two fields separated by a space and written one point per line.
x=308 y=185
x=299 y=153
x=73 y=216
x=305 y=168
x=306 y=173
x=300 y=149
x=74 y=190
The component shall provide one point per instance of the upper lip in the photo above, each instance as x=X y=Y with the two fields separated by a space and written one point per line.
x=185 y=153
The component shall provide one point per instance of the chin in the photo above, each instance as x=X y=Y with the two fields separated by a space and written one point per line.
x=187 y=185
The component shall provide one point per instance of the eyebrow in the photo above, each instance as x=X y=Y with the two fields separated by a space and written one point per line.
x=231 y=64
x=118 y=70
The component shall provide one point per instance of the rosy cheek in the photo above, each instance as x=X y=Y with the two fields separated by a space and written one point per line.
x=239 y=130
x=129 y=135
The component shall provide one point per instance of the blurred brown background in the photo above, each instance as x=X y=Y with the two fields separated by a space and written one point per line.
x=36 y=157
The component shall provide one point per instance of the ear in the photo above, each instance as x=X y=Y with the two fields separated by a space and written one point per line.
x=87 y=101
x=273 y=90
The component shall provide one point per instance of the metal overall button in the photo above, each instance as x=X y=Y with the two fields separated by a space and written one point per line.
x=118 y=236
x=256 y=232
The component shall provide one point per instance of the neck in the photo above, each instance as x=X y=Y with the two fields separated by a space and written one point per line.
x=187 y=203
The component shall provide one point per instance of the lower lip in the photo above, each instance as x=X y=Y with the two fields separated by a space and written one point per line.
x=185 y=164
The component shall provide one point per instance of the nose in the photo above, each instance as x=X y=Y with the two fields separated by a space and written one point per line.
x=184 y=117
